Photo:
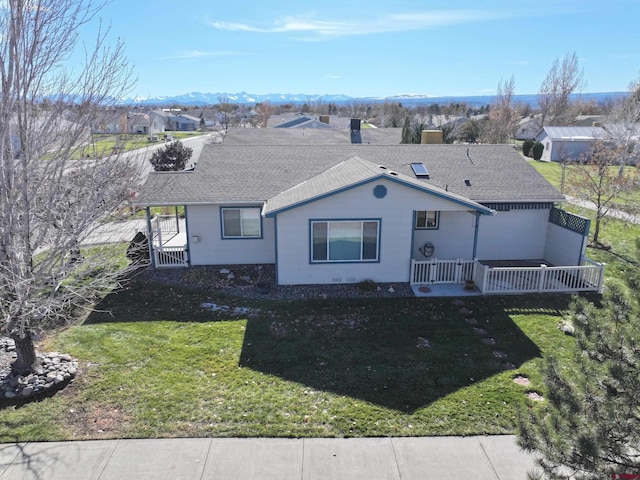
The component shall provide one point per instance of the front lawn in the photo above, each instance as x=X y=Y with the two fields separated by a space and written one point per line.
x=155 y=363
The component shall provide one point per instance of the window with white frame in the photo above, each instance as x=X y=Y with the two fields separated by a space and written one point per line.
x=427 y=219
x=345 y=240
x=241 y=222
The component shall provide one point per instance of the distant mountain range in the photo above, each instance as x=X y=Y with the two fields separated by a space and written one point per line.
x=202 y=99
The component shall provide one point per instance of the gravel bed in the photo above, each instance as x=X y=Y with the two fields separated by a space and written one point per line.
x=241 y=280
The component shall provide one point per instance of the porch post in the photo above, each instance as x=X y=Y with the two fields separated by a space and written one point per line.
x=543 y=277
x=177 y=220
x=601 y=278
x=475 y=235
x=150 y=238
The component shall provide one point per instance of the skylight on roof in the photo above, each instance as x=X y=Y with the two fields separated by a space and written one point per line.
x=420 y=170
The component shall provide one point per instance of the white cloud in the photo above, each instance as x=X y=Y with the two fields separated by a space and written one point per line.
x=317 y=29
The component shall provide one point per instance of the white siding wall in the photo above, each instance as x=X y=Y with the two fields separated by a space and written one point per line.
x=566 y=150
x=564 y=247
x=204 y=221
x=453 y=238
x=516 y=234
x=395 y=212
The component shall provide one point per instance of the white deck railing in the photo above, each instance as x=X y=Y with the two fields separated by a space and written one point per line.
x=588 y=277
x=170 y=257
x=163 y=227
x=441 y=271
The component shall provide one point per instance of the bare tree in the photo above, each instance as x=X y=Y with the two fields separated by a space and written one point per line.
x=554 y=95
x=595 y=180
x=50 y=199
x=622 y=126
x=263 y=112
x=502 y=118
x=224 y=113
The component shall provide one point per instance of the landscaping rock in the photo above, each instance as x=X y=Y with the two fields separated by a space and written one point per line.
x=59 y=369
x=499 y=354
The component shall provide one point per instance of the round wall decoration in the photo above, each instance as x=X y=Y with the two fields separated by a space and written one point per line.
x=380 y=191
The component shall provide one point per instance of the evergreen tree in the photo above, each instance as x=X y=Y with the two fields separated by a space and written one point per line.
x=590 y=428
x=173 y=157
x=406 y=131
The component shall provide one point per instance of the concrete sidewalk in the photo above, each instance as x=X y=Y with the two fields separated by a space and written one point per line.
x=403 y=458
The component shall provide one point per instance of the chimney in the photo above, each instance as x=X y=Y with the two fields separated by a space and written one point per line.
x=355 y=125
x=431 y=136
x=324 y=119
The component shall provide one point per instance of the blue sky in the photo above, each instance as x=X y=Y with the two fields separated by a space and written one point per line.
x=371 y=48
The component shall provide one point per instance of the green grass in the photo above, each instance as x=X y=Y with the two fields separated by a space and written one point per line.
x=619 y=235
x=552 y=171
x=104 y=144
x=156 y=364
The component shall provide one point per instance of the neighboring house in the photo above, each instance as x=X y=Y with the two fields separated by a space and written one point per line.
x=627 y=135
x=527 y=128
x=588 y=120
x=343 y=213
x=138 y=122
x=567 y=143
x=304 y=122
x=109 y=122
x=174 y=120
x=126 y=122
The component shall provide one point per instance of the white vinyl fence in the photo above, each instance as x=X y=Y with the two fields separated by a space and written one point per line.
x=587 y=277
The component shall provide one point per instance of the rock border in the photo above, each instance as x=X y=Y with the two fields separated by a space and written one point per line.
x=58 y=370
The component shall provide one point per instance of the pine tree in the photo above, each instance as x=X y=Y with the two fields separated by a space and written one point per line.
x=591 y=425
x=173 y=157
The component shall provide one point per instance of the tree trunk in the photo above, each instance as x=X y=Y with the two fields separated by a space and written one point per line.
x=596 y=233
x=27 y=361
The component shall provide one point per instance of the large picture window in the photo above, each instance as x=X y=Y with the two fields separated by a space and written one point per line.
x=345 y=240
x=427 y=219
x=241 y=222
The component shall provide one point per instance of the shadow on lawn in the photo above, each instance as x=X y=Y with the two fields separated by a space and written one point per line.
x=142 y=301
x=370 y=349
x=374 y=350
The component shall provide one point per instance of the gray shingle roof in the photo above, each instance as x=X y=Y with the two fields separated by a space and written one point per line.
x=238 y=173
x=351 y=172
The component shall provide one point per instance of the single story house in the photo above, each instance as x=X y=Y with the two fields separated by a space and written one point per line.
x=527 y=128
x=344 y=213
x=174 y=120
x=568 y=143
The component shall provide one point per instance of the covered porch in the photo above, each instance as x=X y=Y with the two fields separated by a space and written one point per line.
x=168 y=243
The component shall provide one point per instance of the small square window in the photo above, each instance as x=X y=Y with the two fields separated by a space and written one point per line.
x=427 y=219
x=241 y=223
